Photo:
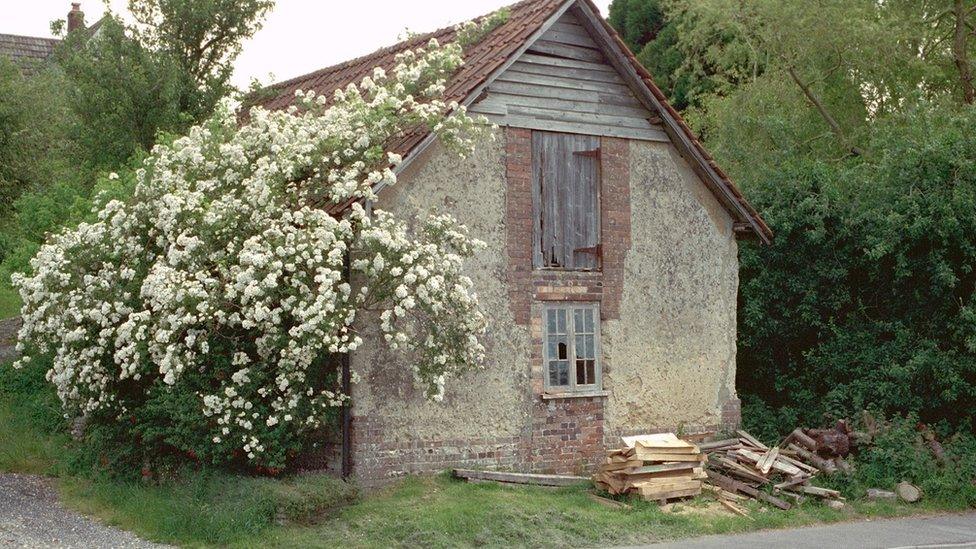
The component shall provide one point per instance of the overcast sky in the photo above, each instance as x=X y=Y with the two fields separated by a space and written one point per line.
x=299 y=36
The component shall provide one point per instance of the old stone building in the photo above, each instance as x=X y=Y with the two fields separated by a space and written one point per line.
x=611 y=273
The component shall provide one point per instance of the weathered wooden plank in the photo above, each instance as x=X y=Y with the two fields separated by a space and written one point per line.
x=735 y=486
x=489 y=107
x=567 y=51
x=568 y=23
x=554 y=103
x=567 y=72
x=718 y=444
x=560 y=62
x=563 y=82
x=569 y=37
x=531 y=123
x=569 y=184
x=569 y=94
x=520 y=478
x=751 y=440
x=584 y=117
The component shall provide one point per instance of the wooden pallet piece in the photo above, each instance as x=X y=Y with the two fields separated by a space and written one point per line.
x=520 y=478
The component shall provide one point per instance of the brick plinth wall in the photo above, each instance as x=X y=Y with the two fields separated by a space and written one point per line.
x=565 y=436
x=379 y=458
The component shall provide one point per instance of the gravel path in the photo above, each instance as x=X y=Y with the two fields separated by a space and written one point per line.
x=32 y=516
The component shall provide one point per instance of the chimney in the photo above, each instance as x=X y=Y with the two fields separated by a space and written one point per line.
x=76 y=17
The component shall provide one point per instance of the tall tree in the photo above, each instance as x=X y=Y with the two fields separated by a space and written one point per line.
x=203 y=37
x=122 y=93
x=32 y=144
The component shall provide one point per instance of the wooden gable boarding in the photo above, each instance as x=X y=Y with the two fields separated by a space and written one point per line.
x=563 y=82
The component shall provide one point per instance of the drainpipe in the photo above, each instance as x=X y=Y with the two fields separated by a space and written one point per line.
x=346 y=390
x=346 y=419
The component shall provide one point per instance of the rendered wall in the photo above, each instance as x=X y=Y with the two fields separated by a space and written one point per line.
x=668 y=297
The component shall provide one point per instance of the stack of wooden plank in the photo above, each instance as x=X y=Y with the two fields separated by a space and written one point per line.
x=657 y=467
x=744 y=467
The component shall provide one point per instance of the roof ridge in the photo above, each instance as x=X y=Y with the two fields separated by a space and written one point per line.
x=31 y=37
x=356 y=60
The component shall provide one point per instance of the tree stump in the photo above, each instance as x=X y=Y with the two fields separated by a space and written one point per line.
x=909 y=493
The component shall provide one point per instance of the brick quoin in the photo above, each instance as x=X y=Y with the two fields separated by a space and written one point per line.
x=564 y=435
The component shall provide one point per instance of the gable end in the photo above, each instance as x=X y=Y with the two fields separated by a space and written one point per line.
x=563 y=82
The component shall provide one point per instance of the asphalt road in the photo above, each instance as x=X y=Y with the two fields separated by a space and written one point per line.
x=902 y=533
x=31 y=516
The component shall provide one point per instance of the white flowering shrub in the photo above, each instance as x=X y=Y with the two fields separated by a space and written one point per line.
x=201 y=314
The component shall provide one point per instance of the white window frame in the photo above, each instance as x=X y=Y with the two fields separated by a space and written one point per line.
x=569 y=307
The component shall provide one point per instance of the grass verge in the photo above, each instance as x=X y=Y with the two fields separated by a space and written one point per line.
x=206 y=508
x=443 y=512
x=9 y=301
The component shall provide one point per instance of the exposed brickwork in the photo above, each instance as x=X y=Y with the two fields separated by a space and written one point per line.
x=732 y=414
x=614 y=220
x=526 y=285
x=519 y=220
x=377 y=458
x=565 y=436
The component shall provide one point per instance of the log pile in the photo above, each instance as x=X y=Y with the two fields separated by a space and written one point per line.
x=743 y=467
x=656 y=467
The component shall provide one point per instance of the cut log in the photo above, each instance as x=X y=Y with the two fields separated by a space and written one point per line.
x=909 y=493
x=817 y=491
x=797 y=498
x=801 y=438
x=792 y=482
x=876 y=494
x=835 y=504
x=814 y=459
x=832 y=442
x=733 y=486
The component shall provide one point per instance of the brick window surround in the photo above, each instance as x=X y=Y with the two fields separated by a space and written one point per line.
x=565 y=435
x=528 y=285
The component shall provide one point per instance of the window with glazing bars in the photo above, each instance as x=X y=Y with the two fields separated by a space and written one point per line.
x=572 y=347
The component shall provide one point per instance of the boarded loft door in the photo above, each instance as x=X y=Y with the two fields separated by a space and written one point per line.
x=566 y=200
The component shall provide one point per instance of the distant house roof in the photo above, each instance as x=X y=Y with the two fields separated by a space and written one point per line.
x=27 y=51
x=485 y=59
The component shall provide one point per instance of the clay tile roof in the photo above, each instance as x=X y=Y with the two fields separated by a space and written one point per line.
x=480 y=61
x=27 y=51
